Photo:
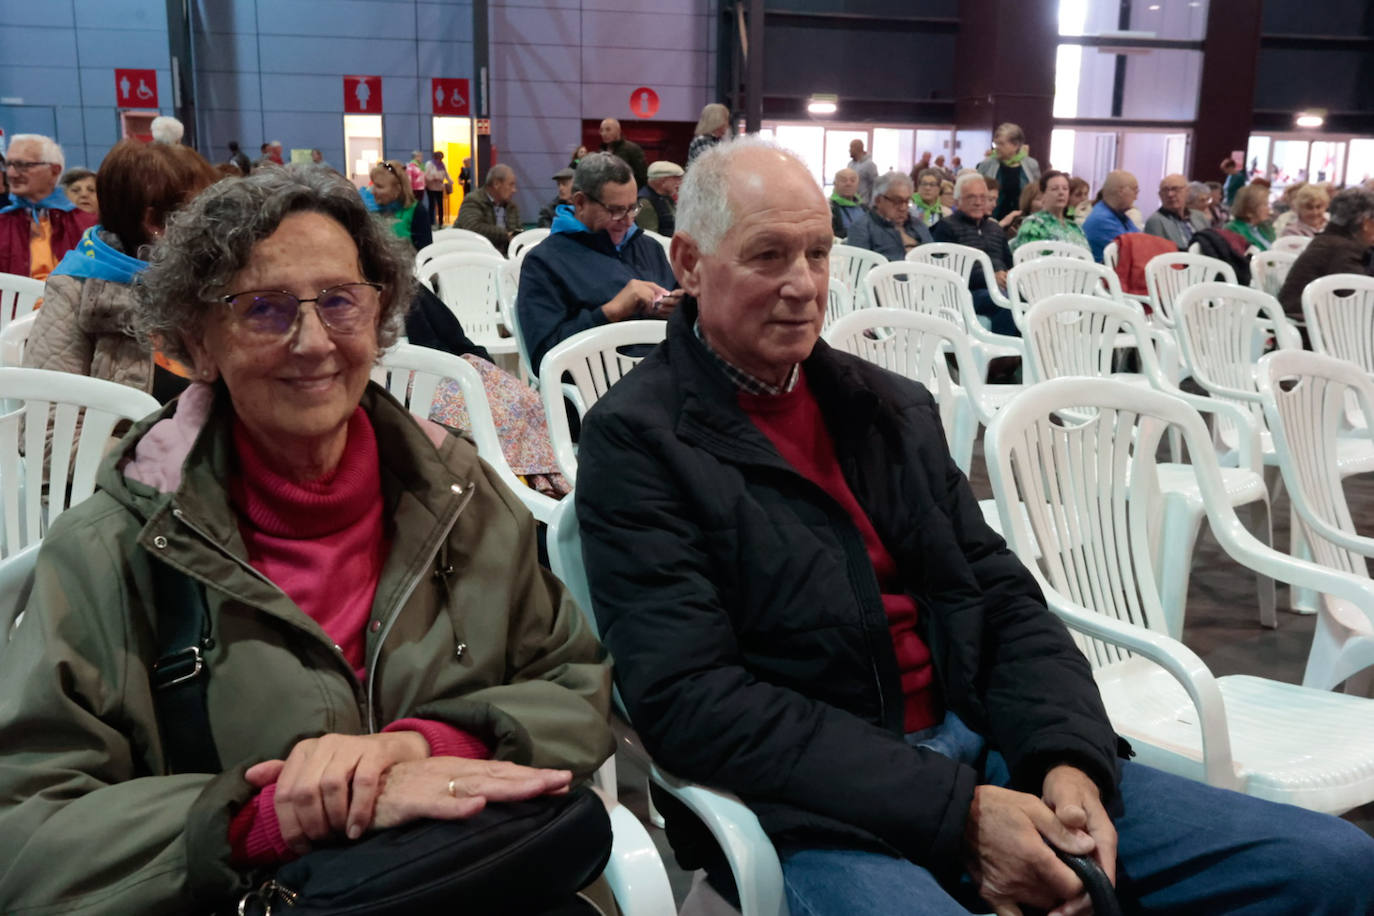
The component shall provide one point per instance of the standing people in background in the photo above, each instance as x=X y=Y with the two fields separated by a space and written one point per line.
x=945 y=173
x=1011 y=164
x=1250 y=216
x=971 y=225
x=564 y=177
x=271 y=155
x=491 y=210
x=79 y=186
x=1051 y=223
x=888 y=227
x=659 y=199
x=864 y=166
x=1172 y=220
x=1108 y=218
x=845 y=206
x=577 y=156
x=317 y=158
x=927 y=205
x=437 y=186
x=415 y=171
x=1309 y=211
x=89 y=303
x=920 y=166
x=712 y=127
x=239 y=158
x=166 y=129
x=613 y=142
x=390 y=197
x=596 y=266
x=39 y=225
x=1235 y=180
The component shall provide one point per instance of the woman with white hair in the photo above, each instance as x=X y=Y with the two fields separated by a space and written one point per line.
x=713 y=124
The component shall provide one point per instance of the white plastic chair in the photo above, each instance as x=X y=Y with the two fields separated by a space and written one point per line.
x=13 y=339
x=1029 y=251
x=1305 y=398
x=913 y=344
x=451 y=233
x=1291 y=243
x=961 y=259
x=1110 y=253
x=594 y=361
x=1167 y=275
x=412 y=376
x=1078 y=455
x=522 y=242
x=1269 y=269
x=18 y=297
x=1073 y=335
x=923 y=287
x=664 y=241
x=839 y=302
x=1040 y=278
x=747 y=849
x=61 y=399
x=848 y=264
x=433 y=250
x=1339 y=313
x=469 y=284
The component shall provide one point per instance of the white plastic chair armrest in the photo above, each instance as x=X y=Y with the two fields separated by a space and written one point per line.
x=1175 y=658
x=747 y=848
x=1347 y=540
x=1249 y=452
x=635 y=871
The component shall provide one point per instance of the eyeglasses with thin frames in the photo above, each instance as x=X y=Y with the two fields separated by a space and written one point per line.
x=274 y=313
x=20 y=165
x=897 y=200
x=617 y=212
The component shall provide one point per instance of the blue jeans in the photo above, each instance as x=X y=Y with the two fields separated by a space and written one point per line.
x=1184 y=848
x=1002 y=322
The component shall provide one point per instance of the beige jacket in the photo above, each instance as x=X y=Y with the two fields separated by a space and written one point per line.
x=83 y=328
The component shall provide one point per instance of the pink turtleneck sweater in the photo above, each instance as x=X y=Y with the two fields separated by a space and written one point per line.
x=322 y=542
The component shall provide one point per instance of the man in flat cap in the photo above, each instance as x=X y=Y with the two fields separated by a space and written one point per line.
x=658 y=198
x=564 y=178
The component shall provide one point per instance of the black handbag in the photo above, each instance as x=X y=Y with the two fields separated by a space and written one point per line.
x=518 y=858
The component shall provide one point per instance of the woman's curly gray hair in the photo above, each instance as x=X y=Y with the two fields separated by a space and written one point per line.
x=211 y=239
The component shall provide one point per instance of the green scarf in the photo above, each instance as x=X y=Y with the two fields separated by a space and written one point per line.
x=1016 y=158
x=931 y=209
x=844 y=201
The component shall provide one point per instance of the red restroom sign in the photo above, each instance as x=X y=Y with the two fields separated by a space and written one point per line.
x=362 y=94
x=450 y=96
x=136 y=88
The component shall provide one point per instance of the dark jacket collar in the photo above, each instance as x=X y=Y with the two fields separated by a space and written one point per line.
x=710 y=415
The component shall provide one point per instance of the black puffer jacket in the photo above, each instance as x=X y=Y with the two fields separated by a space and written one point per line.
x=744 y=615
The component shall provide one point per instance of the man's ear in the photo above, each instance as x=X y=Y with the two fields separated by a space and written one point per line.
x=686 y=258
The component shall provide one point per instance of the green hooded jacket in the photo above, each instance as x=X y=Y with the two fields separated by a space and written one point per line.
x=466 y=629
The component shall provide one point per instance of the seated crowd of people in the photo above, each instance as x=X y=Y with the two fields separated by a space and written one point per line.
x=798 y=596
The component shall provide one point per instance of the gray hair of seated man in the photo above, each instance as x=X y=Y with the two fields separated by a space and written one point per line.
x=964 y=181
x=211 y=239
x=892 y=180
x=1351 y=207
x=596 y=170
x=704 y=210
x=1198 y=191
x=498 y=172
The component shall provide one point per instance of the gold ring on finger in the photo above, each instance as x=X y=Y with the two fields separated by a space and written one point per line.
x=453 y=787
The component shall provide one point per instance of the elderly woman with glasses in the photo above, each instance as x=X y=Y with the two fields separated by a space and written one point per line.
x=889 y=228
x=374 y=639
x=391 y=198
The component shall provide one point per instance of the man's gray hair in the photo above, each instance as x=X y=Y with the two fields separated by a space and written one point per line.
x=704 y=210
x=498 y=172
x=47 y=147
x=892 y=179
x=211 y=239
x=964 y=180
x=596 y=170
x=1351 y=207
x=1197 y=189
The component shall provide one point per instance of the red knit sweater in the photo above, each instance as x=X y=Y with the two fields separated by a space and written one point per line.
x=322 y=542
x=793 y=423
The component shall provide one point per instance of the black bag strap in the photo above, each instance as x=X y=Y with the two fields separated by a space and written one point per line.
x=180 y=676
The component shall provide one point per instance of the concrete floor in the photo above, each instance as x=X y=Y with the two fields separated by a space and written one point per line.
x=1222 y=626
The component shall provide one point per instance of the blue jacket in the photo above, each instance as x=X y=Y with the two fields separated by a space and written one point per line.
x=1102 y=227
x=565 y=279
x=873 y=232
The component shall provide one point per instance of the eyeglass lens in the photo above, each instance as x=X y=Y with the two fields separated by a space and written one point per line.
x=343 y=309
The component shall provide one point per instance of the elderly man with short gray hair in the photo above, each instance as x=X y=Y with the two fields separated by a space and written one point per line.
x=490 y=211
x=888 y=227
x=596 y=266
x=40 y=224
x=807 y=609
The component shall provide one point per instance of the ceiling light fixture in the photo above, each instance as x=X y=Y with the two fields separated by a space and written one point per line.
x=823 y=104
x=1309 y=119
